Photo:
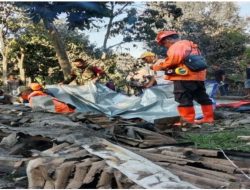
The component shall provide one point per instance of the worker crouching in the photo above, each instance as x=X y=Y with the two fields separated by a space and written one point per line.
x=38 y=100
x=184 y=58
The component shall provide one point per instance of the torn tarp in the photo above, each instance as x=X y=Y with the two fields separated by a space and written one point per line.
x=156 y=102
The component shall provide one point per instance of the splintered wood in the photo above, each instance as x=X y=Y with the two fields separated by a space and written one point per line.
x=203 y=168
x=69 y=165
x=61 y=167
x=139 y=137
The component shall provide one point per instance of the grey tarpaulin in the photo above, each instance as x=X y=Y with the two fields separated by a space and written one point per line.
x=156 y=102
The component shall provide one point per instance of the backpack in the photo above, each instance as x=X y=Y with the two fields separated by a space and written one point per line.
x=195 y=62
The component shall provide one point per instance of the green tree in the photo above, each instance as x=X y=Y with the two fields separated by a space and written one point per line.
x=156 y=16
x=11 y=24
x=116 y=25
x=77 y=43
x=36 y=49
x=79 y=14
x=217 y=28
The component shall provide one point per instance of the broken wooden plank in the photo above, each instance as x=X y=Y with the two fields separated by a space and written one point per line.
x=56 y=148
x=127 y=141
x=207 y=162
x=147 y=143
x=201 y=181
x=77 y=155
x=95 y=168
x=210 y=174
x=216 y=161
x=105 y=181
x=35 y=170
x=70 y=150
x=164 y=123
x=80 y=173
x=174 y=154
x=219 y=167
x=49 y=184
x=118 y=177
x=244 y=138
x=62 y=174
x=202 y=152
x=164 y=158
x=246 y=170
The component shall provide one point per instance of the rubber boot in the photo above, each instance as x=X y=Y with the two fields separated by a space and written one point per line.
x=208 y=114
x=187 y=113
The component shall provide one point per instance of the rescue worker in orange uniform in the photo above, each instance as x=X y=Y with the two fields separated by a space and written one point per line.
x=29 y=95
x=187 y=87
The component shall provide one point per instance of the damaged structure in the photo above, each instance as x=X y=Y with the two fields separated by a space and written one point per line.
x=86 y=150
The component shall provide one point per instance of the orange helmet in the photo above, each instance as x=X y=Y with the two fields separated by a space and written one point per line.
x=35 y=86
x=162 y=34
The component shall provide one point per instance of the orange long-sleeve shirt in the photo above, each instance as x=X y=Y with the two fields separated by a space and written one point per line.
x=175 y=58
x=60 y=107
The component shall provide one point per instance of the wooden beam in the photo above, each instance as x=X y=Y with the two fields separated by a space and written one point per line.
x=80 y=173
x=202 y=182
x=62 y=174
x=106 y=177
x=96 y=167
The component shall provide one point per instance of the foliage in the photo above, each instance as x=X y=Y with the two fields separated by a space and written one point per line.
x=11 y=26
x=137 y=22
x=117 y=22
x=215 y=26
x=218 y=30
x=39 y=54
x=226 y=140
x=125 y=66
x=77 y=43
x=79 y=14
x=246 y=57
x=143 y=26
x=157 y=16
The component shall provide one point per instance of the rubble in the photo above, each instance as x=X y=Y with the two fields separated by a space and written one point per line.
x=48 y=150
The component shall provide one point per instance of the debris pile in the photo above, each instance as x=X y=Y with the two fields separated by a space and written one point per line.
x=201 y=167
x=48 y=150
x=72 y=167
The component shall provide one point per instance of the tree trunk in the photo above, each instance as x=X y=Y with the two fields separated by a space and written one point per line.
x=5 y=67
x=107 y=34
x=21 y=66
x=4 y=56
x=59 y=47
x=108 y=29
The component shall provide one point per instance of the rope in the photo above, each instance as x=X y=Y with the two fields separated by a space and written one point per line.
x=234 y=164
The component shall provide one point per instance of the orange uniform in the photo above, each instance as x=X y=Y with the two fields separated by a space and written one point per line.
x=59 y=107
x=175 y=58
x=190 y=86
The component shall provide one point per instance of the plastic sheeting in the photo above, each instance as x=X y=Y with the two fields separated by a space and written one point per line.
x=156 y=102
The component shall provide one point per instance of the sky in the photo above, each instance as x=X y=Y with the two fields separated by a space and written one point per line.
x=98 y=37
x=244 y=8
